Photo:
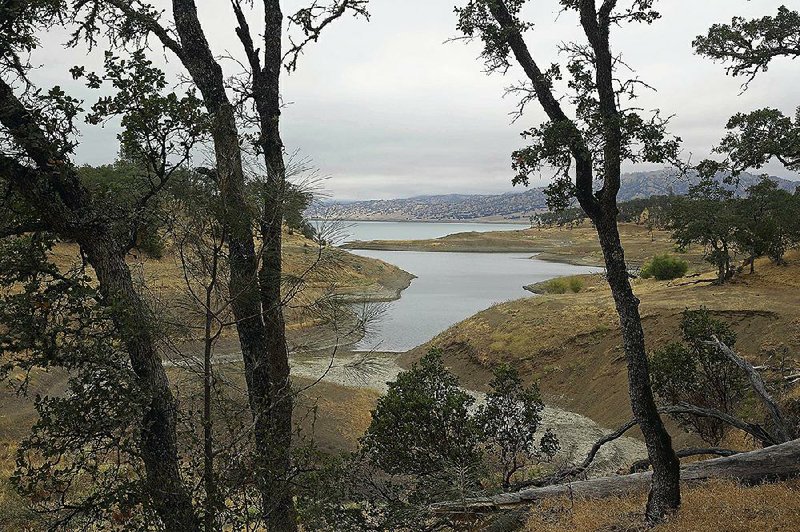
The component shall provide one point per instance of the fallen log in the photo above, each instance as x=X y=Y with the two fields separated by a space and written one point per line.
x=772 y=463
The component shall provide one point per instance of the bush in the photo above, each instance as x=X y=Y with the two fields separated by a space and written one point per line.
x=555 y=286
x=425 y=426
x=575 y=284
x=695 y=372
x=562 y=285
x=664 y=267
x=509 y=421
x=422 y=425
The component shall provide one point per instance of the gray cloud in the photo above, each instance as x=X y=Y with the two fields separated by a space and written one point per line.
x=388 y=109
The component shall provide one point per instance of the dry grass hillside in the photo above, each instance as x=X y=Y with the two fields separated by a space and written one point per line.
x=323 y=269
x=718 y=506
x=570 y=343
x=342 y=414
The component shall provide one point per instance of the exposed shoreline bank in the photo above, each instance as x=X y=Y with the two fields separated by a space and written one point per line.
x=577 y=246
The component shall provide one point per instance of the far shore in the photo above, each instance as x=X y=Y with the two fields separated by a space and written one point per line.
x=515 y=221
x=577 y=246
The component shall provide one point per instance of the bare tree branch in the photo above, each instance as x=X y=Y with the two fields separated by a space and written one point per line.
x=760 y=388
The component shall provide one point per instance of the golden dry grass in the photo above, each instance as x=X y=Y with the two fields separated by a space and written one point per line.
x=14 y=511
x=717 y=506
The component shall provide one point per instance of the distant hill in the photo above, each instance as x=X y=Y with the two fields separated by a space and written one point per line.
x=509 y=206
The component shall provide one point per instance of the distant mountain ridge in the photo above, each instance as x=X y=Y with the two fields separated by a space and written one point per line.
x=510 y=205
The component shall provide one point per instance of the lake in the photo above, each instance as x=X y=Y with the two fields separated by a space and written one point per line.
x=449 y=288
x=349 y=231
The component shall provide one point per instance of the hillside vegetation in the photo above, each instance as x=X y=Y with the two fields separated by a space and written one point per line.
x=325 y=271
x=340 y=414
x=570 y=343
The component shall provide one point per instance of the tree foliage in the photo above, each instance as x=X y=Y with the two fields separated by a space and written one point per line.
x=706 y=217
x=81 y=462
x=764 y=222
x=509 y=421
x=759 y=136
x=422 y=425
x=695 y=372
x=428 y=442
x=749 y=46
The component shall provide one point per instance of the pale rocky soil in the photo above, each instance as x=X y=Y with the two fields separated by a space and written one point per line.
x=575 y=432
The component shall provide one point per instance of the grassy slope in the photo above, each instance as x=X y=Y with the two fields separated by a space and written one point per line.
x=571 y=245
x=343 y=413
x=570 y=343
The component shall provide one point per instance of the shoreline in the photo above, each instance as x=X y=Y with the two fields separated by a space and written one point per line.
x=576 y=246
x=541 y=253
x=454 y=221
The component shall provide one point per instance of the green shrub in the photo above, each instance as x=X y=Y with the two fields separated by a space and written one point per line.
x=562 y=285
x=556 y=286
x=664 y=267
x=695 y=372
x=575 y=284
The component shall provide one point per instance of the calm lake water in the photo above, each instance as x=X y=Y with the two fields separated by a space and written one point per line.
x=449 y=288
x=346 y=231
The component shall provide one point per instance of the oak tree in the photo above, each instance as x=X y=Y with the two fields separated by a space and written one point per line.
x=603 y=131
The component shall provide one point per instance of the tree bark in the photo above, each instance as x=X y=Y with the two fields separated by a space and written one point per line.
x=665 y=493
x=55 y=191
x=266 y=91
x=257 y=304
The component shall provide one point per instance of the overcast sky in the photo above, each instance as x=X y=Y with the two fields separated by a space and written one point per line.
x=387 y=108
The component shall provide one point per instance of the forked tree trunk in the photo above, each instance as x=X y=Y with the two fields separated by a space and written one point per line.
x=266 y=91
x=257 y=305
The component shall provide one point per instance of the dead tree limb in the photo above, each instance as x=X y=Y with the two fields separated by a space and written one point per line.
x=769 y=464
x=755 y=430
x=643 y=465
x=760 y=388
x=574 y=471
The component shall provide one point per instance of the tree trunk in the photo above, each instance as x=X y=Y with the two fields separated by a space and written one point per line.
x=159 y=440
x=55 y=191
x=665 y=490
x=601 y=207
x=257 y=301
x=266 y=91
